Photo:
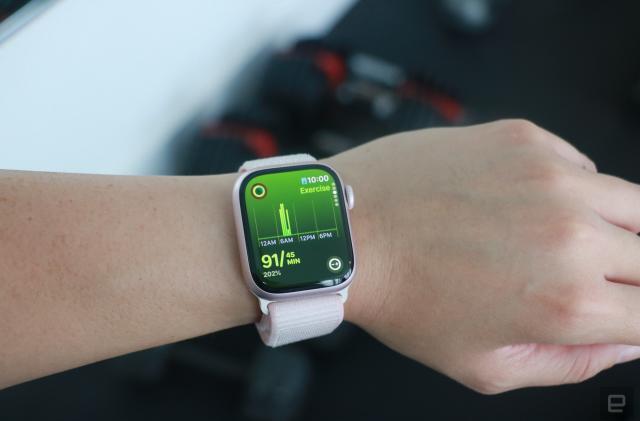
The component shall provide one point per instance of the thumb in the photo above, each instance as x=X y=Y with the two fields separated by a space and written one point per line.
x=547 y=364
x=585 y=361
x=627 y=353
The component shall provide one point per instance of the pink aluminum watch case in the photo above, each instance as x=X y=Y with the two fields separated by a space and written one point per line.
x=242 y=244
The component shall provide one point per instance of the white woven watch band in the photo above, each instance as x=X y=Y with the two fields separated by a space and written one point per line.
x=294 y=320
x=276 y=160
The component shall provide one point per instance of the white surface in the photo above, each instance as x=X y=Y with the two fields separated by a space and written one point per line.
x=102 y=86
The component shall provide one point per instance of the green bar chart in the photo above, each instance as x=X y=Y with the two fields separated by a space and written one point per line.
x=280 y=206
x=296 y=218
x=285 y=223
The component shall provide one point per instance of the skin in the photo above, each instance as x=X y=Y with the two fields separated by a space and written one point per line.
x=495 y=254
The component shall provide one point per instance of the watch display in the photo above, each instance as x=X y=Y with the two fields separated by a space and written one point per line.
x=296 y=228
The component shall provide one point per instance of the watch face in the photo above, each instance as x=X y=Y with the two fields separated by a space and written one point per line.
x=296 y=228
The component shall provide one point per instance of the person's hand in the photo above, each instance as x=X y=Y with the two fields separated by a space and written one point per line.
x=495 y=254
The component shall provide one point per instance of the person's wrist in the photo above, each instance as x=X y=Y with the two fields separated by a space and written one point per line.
x=366 y=292
x=230 y=295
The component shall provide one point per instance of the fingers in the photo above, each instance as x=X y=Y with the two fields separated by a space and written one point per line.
x=607 y=311
x=621 y=252
x=623 y=324
x=621 y=296
x=615 y=199
x=556 y=364
x=536 y=364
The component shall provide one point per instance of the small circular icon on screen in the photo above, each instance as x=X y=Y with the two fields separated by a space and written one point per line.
x=258 y=191
x=334 y=264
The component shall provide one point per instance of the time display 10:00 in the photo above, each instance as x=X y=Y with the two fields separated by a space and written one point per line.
x=315 y=179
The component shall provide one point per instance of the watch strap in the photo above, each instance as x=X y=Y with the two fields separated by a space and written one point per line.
x=295 y=320
x=276 y=160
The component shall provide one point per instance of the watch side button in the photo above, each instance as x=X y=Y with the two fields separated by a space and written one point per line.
x=348 y=193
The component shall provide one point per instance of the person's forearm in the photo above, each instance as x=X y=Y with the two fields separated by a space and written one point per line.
x=97 y=266
x=451 y=228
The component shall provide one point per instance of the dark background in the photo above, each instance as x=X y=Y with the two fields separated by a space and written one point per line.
x=570 y=66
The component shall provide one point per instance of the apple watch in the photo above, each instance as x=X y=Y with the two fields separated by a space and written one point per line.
x=296 y=252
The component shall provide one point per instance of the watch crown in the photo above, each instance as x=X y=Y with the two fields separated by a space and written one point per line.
x=350 y=198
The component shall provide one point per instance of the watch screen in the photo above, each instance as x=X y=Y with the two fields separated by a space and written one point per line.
x=296 y=228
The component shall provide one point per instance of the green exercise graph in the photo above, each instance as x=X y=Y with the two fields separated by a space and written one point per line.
x=294 y=206
x=301 y=218
x=285 y=223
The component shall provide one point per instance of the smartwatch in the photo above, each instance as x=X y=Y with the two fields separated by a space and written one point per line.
x=297 y=256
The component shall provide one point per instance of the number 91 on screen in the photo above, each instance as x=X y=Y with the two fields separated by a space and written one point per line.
x=279 y=259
